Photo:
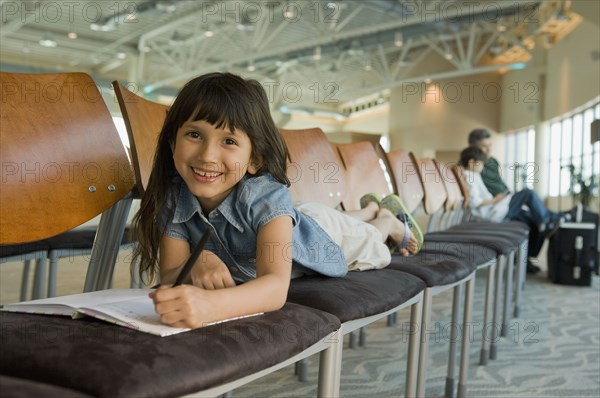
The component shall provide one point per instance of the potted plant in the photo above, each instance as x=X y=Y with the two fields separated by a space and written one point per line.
x=581 y=189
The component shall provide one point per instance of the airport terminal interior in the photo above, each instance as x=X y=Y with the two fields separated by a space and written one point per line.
x=405 y=76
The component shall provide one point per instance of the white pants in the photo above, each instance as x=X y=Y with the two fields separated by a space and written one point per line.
x=361 y=243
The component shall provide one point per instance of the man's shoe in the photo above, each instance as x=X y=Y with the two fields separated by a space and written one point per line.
x=532 y=269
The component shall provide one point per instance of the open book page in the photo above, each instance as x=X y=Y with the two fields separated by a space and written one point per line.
x=131 y=308
x=135 y=314
x=68 y=305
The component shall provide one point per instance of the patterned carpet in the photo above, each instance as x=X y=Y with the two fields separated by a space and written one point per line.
x=552 y=350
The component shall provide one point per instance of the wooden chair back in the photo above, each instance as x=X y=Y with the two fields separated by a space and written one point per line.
x=462 y=185
x=433 y=186
x=315 y=170
x=63 y=162
x=363 y=171
x=143 y=120
x=449 y=181
x=406 y=178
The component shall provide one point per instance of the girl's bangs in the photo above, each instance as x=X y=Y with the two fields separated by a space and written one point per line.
x=218 y=109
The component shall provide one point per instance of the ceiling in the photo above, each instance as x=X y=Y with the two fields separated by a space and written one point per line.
x=335 y=56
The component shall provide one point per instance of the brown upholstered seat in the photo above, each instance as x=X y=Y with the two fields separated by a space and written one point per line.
x=14 y=387
x=104 y=360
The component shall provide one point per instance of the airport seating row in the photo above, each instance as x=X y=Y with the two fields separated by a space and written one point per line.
x=83 y=170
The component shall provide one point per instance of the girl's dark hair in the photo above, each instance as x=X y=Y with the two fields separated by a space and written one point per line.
x=469 y=153
x=225 y=101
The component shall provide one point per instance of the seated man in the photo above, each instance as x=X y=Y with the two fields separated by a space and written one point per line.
x=525 y=205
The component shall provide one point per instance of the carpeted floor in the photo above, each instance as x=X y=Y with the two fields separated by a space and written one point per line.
x=552 y=350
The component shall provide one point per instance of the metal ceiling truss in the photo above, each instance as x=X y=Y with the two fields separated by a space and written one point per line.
x=362 y=46
x=327 y=38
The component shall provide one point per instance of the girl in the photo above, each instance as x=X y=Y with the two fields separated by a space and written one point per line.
x=221 y=164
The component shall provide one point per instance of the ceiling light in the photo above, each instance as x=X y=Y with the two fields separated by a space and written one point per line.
x=48 y=42
x=209 y=33
x=398 y=39
x=428 y=81
x=448 y=56
x=317 y=54
x=72 y=35
x=251 y=67
x=108 y=26
x=166 y=6
x=146 y=49
x=121 y=55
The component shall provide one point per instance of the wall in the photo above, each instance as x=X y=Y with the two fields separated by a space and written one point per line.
x=573 y=74
x=563 y=78
x=425 y=118
x=296 y=121
x=374 y=121
x=522 y=98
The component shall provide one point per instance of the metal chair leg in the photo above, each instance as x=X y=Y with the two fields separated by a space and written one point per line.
x=38 y=278
x=25 y=280
x=414 y=344
x=362 y=337
x=483 y=357
x=456 y=297
x=522 y=267
x=464 y=355
x=510 y=265
x=421 y=375
x=330 y=366
x=496 y=312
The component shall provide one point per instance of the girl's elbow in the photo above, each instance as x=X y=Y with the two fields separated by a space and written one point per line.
x=279 y=298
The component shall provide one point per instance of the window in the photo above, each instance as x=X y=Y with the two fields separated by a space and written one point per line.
x=519 y=167
x=569 y=144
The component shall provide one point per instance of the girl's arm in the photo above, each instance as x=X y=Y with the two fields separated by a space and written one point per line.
x=191 y=306
x=209 y=272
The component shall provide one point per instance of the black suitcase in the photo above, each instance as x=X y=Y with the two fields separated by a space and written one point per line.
x=573 y=250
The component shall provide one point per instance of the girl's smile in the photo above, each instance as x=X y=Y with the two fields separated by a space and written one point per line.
x=206 y=176
x=212 y=160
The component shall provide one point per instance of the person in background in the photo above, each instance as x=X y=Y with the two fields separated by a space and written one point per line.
x=525 y=205
x=490 y=175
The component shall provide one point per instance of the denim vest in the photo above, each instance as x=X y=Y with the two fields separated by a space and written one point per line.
x=252 y=203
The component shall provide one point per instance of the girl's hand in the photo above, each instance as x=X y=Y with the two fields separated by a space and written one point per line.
x=184 y=306
x=211 y=273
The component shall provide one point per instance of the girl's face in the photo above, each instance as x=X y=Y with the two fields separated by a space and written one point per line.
x=212 y=161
